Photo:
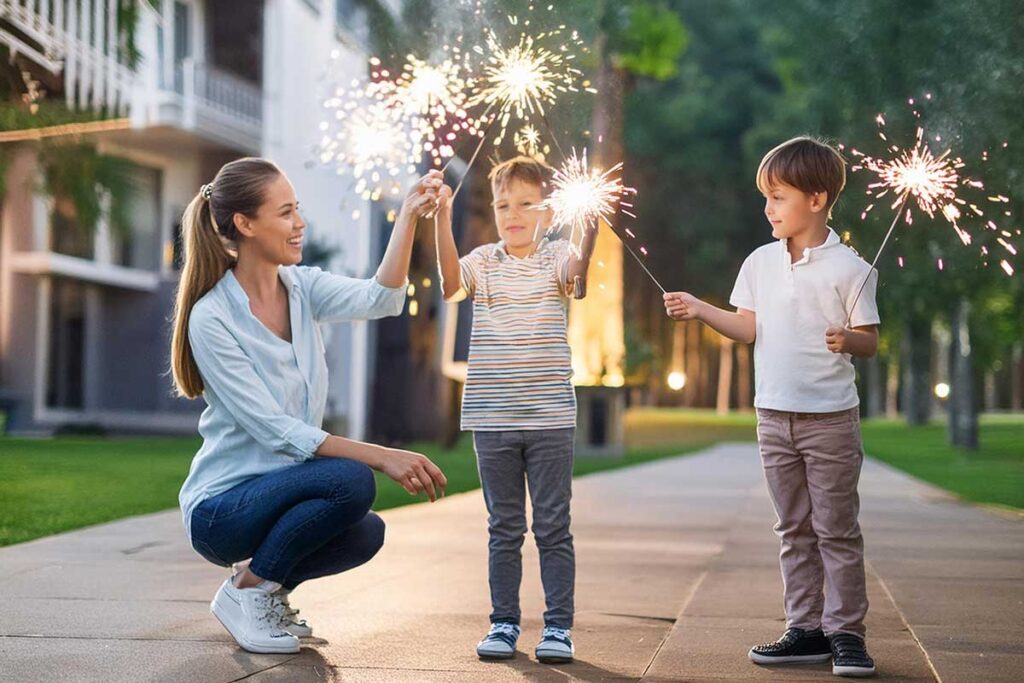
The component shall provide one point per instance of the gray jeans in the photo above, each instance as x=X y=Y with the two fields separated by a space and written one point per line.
x=509 y=462
x=812 y=465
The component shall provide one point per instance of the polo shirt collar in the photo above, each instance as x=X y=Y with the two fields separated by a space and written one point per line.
x=810 y=253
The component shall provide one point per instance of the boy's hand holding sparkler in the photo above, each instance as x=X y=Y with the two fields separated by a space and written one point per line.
x=860 y=341
x=740 y=325
x=682 y=306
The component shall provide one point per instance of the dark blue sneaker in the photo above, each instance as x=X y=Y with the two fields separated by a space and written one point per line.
x=850 y=656
x=500 y=641
x=555 y=646
x=796 y=646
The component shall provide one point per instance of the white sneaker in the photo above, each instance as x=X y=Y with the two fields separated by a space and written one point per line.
x=555 y=646
x=288 y=618
x=248 y=615
x=500 y=641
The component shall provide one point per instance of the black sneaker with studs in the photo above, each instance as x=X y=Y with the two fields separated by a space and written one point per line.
x=850 y=656
x=796 y=646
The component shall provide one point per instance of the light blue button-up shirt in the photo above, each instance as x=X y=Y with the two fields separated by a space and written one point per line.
x=265 y=396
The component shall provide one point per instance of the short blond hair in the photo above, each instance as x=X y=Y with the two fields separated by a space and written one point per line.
x=808 y=164
x=524 y=169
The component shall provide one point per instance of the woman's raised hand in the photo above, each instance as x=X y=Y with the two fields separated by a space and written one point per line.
x=415 y=472
x=422 y=198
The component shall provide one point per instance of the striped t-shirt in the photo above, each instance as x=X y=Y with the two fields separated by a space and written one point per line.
x=520 y=366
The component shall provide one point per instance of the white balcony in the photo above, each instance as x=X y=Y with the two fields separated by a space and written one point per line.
x=76 y=38
x=208 y=102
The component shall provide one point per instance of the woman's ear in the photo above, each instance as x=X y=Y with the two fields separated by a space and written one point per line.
x=242 y=224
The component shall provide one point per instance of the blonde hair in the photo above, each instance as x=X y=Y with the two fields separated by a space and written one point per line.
x=808 y=164
x=210 y=240
x=524 y=169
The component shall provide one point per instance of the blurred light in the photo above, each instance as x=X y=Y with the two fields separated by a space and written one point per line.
x=942 y=390
x=411 y=291
x=613 y=380
x=676 y=380
x=414 y=307
x=426 y=283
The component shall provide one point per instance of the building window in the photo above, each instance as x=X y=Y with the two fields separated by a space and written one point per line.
x=182 y=32
x=138 y=244
x=67 y=235
x=66 y=345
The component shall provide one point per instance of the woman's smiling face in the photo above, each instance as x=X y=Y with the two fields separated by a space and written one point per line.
x=277 y=229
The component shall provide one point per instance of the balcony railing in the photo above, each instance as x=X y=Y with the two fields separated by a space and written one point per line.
x=219 y=91
x=59 y=35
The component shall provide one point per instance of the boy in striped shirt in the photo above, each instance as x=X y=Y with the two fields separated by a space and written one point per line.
x=518 y=400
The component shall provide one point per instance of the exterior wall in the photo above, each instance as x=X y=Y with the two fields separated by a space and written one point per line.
x=126 y=331
x=292 y=91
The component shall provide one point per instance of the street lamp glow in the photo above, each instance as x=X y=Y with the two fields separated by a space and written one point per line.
x=676 y=380
x=942 y=390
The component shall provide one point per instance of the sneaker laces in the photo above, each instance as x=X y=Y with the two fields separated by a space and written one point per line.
x=266 y=607
x=555 y=632
x=501 y=629
x=285 y=607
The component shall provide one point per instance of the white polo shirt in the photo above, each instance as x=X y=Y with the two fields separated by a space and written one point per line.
x=795 y=303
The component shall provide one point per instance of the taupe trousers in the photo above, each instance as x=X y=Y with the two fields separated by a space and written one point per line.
x=812 y=464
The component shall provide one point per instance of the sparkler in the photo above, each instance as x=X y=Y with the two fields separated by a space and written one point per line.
x=582 y=197
x=368 y=139
x=934 y=182
x=433 y=98
x=523 y=78
x=527 y=141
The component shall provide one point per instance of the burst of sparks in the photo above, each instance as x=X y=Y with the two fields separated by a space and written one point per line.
x=527 y=76
x=433 y=97
x=528 y=141
x=582 y=196
x=936 y=184
x=367 y=139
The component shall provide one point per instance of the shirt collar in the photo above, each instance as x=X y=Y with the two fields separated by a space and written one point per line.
x=501 y=253
x=238 y=295
x=810 y=253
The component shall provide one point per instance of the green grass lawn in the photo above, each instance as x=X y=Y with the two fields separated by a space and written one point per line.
x=53 y=485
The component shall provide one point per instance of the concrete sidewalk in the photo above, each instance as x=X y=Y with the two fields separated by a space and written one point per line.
x=677 y=577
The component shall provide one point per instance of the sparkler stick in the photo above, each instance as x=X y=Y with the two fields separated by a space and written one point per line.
x=867 y=276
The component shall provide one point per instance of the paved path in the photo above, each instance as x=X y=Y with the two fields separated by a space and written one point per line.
x=677 y=577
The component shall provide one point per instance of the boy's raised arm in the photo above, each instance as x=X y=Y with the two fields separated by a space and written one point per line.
x=447 y=252
x=579 y=264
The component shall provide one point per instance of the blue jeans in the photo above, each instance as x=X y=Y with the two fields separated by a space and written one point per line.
x=299 y=523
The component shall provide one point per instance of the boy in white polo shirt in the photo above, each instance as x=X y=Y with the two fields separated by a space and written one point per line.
x=519 y=400
x=793 y=299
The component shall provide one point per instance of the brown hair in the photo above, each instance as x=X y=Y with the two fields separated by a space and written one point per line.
x=808 y=164
x=210 y=240
x=524 y=169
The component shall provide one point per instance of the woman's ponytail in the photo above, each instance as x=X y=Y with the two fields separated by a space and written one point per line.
x=210 y=239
